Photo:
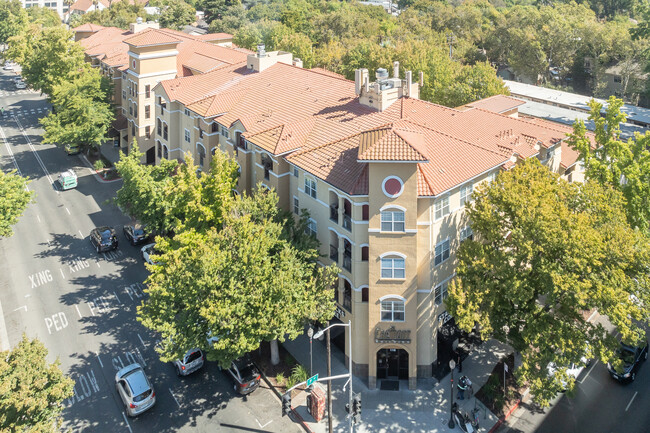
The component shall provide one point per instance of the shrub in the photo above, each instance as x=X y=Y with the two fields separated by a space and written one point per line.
x=99 y=165
x=280 y=379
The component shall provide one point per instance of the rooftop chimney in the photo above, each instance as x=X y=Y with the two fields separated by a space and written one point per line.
x=261 y=50
x=381 y=74
x=138 y=20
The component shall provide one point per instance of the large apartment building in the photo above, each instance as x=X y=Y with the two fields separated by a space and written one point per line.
x=137 y=59
x=385 y=178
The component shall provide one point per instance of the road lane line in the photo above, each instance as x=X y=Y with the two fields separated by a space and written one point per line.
x=28 y=295
x=11 y=155
x=78 y=312
x=100 y=360
x=633 y=397
x=20 y=308
x=62 y=274
x=127 y=422
x=31 y=146
x=81 y=234
x=589 y=371
x=97 y=263
x=174 y=397
x=38 y=218
x=68 y=211
x=141 y=341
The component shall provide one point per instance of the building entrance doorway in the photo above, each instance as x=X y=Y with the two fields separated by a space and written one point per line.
x=151 y=156
x=392 y=364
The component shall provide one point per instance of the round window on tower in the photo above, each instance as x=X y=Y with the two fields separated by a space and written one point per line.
x=392 y=186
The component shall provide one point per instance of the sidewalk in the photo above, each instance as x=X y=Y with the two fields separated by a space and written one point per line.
x=425 y=409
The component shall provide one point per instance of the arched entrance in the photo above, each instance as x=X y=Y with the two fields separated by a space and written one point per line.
x=392 y=364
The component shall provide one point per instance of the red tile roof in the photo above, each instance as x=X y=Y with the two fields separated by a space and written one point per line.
x=496 y=104
x=149 y=37
x=317 y=122
x=88 y=27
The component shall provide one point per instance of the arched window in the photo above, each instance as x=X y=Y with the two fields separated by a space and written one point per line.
x=392 y=220
x=159 y=126
x=165 y=152
x=393 y=266
x=159 y=149
x=392 y=309
x=200 y=150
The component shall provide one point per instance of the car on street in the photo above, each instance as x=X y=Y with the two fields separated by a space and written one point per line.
x=72 y=149
x=103 y=238
x=245 y=375
x=191 y=362
x=134 y=389
x=9 y=66
x=135 y=234
x=20 y=85
x=17 y=78
x=573 y=370
x=630 y=358
x=147 y=251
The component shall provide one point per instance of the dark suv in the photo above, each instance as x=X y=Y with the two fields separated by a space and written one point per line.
x=245 y=375
x=135 y=234
x=631 y=358
x=103 y=239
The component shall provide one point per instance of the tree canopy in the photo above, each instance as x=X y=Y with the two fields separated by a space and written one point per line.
x=14 y=198
x=622 y=165
x=538 y=266
x=13 y=19
x=32 y=390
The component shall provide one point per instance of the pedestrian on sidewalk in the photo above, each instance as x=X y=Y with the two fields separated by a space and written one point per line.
x=463 y=383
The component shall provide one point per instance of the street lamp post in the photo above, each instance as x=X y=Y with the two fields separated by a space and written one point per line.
x=452 y=365
x=349 y=326
x=310 y=334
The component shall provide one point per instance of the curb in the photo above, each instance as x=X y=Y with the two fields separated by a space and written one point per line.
x=296 y=415
x=503 y=419
x=94 y=173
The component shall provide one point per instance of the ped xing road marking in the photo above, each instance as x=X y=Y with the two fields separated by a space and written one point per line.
x=87 y=386
x=78 y=264
x=99 y=304
x=78 y=312
x=40 y=278
x=134 y=290
x=100 y=360
x=633 y=397
x=58 y=320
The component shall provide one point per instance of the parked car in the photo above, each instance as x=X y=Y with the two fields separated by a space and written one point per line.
x=134 y=389
x=8 y=66
x=135 y=234
x=573 y=370
x=631 y=358
x=191 y=362
x=147 y=251
x=245 y=375
x=72 y=149
x=20 y=85
x=17 y=78
x=103 y=238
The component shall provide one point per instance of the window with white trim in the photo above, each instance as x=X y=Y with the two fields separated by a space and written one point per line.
x=442 y=207
x=311 y=228
x=392 y=311
x=442 y=252
x=440 y=292
x=224 y=132
x=310 y=187
x=466 y=233
x=392 y=221
x=296 y=205
x=187 y=135
x=393 y=267
x=187 y=112
x=295 y=172
x=466 y=193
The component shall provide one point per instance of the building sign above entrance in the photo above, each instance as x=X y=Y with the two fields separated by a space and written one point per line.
x=392 y=335
x=444 y=318
x=339 y=313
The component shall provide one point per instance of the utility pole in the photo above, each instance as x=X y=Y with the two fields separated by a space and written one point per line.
x=329 y=385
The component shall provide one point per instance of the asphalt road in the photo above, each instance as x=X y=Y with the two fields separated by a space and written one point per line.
x=82 y=305
x=599 y=404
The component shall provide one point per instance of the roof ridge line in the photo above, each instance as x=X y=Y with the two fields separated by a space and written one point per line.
x=347 y=137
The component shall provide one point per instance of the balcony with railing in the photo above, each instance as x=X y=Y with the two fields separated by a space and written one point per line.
x=347 y=222
x=347 y=255
x=334 y=213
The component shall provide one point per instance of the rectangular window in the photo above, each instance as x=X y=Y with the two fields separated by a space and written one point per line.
x=187 y=112
x=165 y=131
x=135 y=111
x=123 y=94
x=442 y=252
x=296 y=205
x=466 y=233
x=224 y=132
x=392 y=311
x=187 y=136
x=311 y=227
x=130 y=109
x=310 y=187
x=147 y=111
x=159 y=127
x=393 y=268
x=215 y=127
x=440 y=293
x=442 y=207
x=295 y=172
x=147 y=91
x=466 y=194
x=392 y=221
x=147 y=131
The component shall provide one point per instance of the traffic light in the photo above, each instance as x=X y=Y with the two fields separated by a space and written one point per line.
x=286 y=404
x=356 y=407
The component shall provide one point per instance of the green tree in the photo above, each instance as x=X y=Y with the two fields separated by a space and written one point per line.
x=45 y=17
x=81 y=112
x=32 y=390
x=622 y=165
x=120 y=14
x=242 y=283
x=538 y=265
x=14 y=198
x=13 y=19
x=174 y=14
x=53 y=56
